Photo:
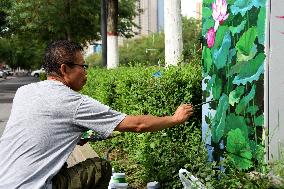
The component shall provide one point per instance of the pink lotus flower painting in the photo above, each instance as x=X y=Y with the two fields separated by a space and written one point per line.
x=210 y=36
x=233 y=62
x=219 y=12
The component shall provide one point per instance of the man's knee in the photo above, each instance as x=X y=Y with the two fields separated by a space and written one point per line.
x=103 y=166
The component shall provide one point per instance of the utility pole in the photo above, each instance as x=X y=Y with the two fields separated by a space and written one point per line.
x=104 y=31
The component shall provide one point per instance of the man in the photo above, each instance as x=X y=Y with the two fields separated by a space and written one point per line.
x=48 y=119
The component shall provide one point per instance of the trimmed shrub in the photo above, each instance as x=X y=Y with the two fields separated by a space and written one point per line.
x=134 y=90
x=42 y=76
x=158 y=156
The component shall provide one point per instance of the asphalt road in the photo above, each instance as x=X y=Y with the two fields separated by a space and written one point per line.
x=8 y=89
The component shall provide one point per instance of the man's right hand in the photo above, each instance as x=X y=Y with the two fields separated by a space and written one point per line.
x=182 y=113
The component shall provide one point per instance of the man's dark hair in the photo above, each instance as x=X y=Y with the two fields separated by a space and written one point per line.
x=60 y=52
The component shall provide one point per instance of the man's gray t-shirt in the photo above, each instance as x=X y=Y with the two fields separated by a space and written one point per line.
x=46 y=122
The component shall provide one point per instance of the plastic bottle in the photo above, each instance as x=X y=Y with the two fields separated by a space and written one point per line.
x=153 y=185
x=117 y=181
x=119 y=178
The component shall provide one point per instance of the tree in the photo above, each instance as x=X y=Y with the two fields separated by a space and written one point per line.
x=35 y=23
x=191 y=35
x=112 y=35
x=5 y=5
x=47 y=20
x=173 y=32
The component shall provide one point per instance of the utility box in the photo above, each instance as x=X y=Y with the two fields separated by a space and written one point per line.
x=242 y=59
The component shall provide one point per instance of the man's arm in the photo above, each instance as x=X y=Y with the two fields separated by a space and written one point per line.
x=149 y=123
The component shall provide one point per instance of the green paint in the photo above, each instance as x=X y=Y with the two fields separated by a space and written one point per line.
x=245 y=101
x=207 y=60
x=239 y=145
x=218 y=123
x=222 y=31
x=238 y=29
x=221 y=56
x=245 y=43
x=261 y=25
x=236 y=122
x=235 y=95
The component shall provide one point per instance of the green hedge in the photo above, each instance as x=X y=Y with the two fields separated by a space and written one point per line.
x=158 y=156
x=134 y=90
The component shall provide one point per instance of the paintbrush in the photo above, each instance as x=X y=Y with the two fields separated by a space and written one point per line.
x=197 y=105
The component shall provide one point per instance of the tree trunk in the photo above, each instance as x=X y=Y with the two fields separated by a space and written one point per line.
x=173 y=32
x=112 y=35
x=68 y=24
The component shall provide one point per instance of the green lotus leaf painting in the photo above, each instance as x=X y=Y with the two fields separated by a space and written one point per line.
x=233 y=62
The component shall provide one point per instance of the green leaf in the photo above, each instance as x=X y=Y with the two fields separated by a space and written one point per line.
x=208 y=23
x=152 y=145
x=259 y=121
x=250 y=71
x=235 y=95
x=245 y=101
x=239 y=149
x=242 y=6
x=252 y=109
x=242 y=58
x=218 y=122
x=236 y=122
x=207 y=1
x=238 y=29
x=251 y=67
x=219 y=39
x=245 y=44
x=261 y=25
x=217 y=88
x=207 y=58
x=257 y=150
x=210 y=83
x=206 y=12
x=221 y=56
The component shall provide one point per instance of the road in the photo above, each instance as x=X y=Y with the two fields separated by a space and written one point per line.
x=8 y=88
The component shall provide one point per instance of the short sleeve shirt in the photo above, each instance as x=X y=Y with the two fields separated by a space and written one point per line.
x=46 y=122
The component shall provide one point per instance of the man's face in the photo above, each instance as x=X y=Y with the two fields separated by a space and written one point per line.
x=77 y=75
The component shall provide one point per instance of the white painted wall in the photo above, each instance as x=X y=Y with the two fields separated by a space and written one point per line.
x=275 y=80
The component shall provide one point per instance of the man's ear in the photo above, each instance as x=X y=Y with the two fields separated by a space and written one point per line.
x=63 y=69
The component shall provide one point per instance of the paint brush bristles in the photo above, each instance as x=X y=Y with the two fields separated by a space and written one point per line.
x=203 y=103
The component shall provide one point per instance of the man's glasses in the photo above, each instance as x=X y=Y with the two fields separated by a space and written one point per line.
x=84 y=66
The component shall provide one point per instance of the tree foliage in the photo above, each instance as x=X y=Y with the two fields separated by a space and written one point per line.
x=35 y=23
x=150 y=50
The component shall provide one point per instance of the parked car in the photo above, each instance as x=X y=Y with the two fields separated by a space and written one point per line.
x=3 y=74
x=36 y=73
x=9 y=72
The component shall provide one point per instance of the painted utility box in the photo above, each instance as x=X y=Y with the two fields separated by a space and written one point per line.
x=234 y=77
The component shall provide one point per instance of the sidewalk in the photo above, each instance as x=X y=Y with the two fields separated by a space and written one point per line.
x=9 y=77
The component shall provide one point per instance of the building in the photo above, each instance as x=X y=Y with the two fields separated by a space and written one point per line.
x=151 y=17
